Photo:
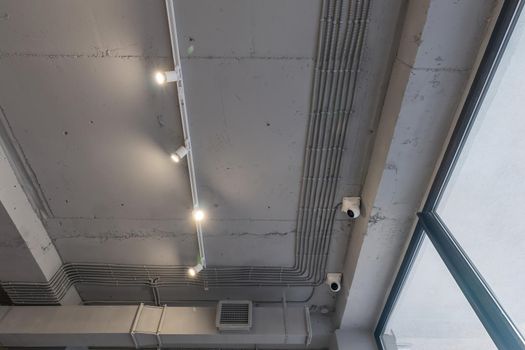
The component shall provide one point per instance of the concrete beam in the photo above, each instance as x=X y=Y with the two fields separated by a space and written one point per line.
x=437 y=52
x=24 y=237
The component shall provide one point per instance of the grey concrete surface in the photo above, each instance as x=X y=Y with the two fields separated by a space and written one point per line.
x=419 y=109
x=353 y=339
x=97 y=132
x=25 y=242
x=237 y=29
x=13 y=248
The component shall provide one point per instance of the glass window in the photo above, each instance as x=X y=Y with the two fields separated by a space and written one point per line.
x=483 y=205
x=432 y=313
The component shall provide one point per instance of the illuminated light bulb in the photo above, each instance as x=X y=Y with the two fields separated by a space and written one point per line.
x=179 y=154
x=175 y=158
x=198 y=215
x=193 y=271
x=167 y=77
x=160 y=78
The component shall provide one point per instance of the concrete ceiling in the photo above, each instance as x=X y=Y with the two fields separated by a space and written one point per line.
x=93 y=132
x=93 y=128
x=248 y=90
x=85 y=174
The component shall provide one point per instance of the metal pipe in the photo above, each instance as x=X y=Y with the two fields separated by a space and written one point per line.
x=327 y=173
x=317 y=186
x=339 y=136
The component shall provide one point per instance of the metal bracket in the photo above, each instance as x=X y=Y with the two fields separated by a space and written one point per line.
x=308 y=325
x=284 y=319
x=178 y=71
x=159 y=327
x=157 y=332
x=173 y=75
x=134 y=325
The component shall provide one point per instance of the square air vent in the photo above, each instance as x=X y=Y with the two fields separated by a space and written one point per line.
x=234 y=315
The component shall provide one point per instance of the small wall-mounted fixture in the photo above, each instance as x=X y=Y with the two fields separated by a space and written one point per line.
x=179 y=154
x=351 y=206
x=333 y=280
x=167 y=77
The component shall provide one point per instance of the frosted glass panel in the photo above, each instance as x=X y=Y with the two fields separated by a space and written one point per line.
x=484 y=203
x=432 y=313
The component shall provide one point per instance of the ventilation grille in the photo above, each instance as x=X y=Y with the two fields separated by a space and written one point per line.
x=234 y=315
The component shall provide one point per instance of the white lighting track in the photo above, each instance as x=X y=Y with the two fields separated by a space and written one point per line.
x=170 y=9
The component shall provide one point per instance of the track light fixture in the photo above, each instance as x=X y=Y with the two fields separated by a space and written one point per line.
x=198 y=215
x=194 y=270
x=176 y=75
x=179 y=154
x=167 y=77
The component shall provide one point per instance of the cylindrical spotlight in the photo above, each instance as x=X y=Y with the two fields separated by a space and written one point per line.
x=167 y=77
x=193 y=271
x=179 y=154
x=198 y=215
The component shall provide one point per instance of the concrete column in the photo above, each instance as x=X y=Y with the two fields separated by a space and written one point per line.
x=353 y=340
x=24 y=238
x=437 y=54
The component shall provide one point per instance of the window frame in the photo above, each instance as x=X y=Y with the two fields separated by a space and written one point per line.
x=498 y=324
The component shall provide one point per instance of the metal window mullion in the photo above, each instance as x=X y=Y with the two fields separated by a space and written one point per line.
x=493 y=317
x=494 y=51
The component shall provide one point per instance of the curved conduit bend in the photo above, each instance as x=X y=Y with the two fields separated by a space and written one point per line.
x=342 y=31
